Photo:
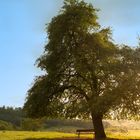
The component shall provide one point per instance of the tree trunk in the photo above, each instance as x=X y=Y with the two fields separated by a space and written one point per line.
x=98 y=127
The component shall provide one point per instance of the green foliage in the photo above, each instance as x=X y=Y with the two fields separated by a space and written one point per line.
x=84 y=69
x=86 y=74
x=12 y=115
x=5 y=125
x=31 y=124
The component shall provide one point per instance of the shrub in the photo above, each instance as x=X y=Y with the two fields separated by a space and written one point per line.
x=31 y=124
x=5 y=125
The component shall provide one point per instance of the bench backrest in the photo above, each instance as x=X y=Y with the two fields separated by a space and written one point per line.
x=85 y=130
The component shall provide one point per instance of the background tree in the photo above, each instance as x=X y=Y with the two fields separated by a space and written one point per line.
x=11 y=115
x=87 y=75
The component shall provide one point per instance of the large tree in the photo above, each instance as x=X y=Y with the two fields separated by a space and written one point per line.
x=86 y=74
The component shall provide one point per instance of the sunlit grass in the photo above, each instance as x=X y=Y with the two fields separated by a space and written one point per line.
x=131 y=134
x=23 y=135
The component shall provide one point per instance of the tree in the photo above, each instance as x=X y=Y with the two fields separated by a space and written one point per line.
x=86 y=74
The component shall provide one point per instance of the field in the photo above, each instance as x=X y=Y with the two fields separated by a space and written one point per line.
x=26 y=135
x=66 y=129
x=22 y=135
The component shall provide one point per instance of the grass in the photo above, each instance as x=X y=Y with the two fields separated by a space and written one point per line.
x=22 y=135
x=27 y=135
x=131 y=134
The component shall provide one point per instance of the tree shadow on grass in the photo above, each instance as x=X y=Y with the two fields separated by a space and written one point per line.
x=58 y=139
x=73 y=139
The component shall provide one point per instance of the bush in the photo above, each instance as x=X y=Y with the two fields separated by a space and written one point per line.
x=31 y=124
x=5 y=125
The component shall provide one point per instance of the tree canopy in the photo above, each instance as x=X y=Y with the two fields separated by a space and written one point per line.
x=86 y=73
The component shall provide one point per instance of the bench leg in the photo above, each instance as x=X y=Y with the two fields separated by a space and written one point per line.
x=78 y=135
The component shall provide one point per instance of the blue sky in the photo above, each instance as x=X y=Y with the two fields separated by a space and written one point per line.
x=22 y=38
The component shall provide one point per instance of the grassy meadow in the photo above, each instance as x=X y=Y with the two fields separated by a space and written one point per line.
x=28 y=135
x=23 y=135
x=66 y=129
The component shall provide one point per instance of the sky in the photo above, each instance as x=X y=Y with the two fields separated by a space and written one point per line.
x=23 y=36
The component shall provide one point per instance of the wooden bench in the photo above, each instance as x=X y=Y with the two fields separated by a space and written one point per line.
x=84 y=131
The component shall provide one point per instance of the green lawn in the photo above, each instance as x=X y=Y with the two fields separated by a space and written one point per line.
x=26 y=135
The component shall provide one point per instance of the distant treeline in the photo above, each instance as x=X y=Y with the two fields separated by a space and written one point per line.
x=14 y=118
x=11 y=115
